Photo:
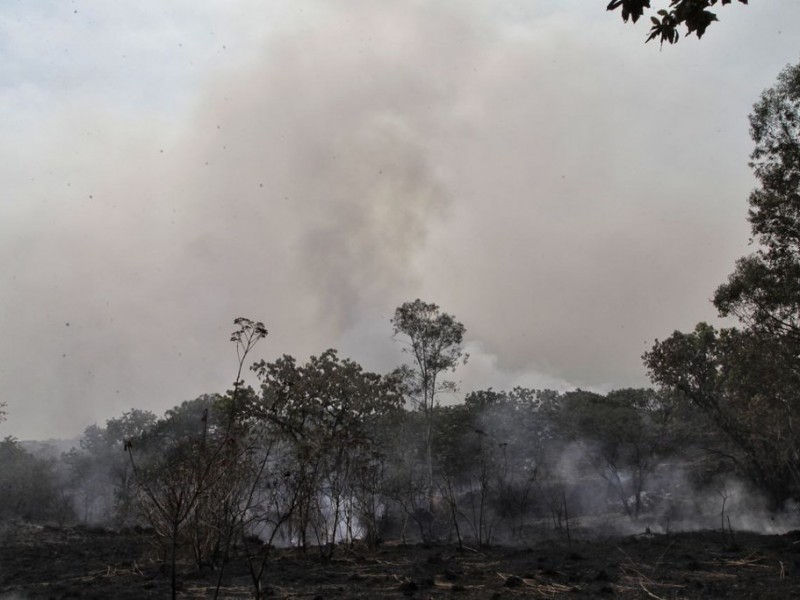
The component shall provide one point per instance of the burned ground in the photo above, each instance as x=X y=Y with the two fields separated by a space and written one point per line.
x=50 y=562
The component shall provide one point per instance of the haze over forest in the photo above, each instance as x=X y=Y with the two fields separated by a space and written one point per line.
x=567 y=192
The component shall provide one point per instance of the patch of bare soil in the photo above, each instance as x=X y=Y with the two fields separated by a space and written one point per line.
x=46 y=562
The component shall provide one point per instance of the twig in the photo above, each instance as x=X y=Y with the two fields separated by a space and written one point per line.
x=649 y=593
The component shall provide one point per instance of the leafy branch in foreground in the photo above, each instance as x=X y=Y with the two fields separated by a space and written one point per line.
x=692 y=14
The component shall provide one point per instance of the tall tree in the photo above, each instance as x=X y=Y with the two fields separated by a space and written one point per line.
x=435 y=342
x=27 y=484
x=764 y=290
x=747 y=379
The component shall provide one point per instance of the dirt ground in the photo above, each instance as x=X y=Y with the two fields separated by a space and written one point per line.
x=49 y=562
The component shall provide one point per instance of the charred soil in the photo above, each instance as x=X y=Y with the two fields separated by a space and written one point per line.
x=50 y=562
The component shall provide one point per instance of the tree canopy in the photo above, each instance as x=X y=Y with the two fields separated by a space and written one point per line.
x=747 y=378
x=764 y=290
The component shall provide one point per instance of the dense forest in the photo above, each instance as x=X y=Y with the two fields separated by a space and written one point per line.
x=323 y=453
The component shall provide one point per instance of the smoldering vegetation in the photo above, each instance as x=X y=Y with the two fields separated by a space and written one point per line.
x=325 y=453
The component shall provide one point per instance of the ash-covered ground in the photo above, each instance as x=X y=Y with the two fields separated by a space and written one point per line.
x=38 y=562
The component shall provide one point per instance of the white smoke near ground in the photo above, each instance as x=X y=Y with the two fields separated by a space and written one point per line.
x=673 y=503
x=485 y=369
x=572 y=487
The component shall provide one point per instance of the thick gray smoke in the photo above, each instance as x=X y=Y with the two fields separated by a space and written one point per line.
x=314 y=165
x=297 y=189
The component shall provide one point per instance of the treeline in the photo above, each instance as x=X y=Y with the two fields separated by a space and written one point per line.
x=323 y=453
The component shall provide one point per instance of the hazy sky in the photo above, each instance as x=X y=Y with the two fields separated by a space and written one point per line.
x=568 y=192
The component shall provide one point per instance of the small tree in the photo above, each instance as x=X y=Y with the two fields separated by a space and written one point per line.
x=27 y=484
x=173 y=473
x=624 y=436
x=516 y=437
x=100 y=475
x=324 y=408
